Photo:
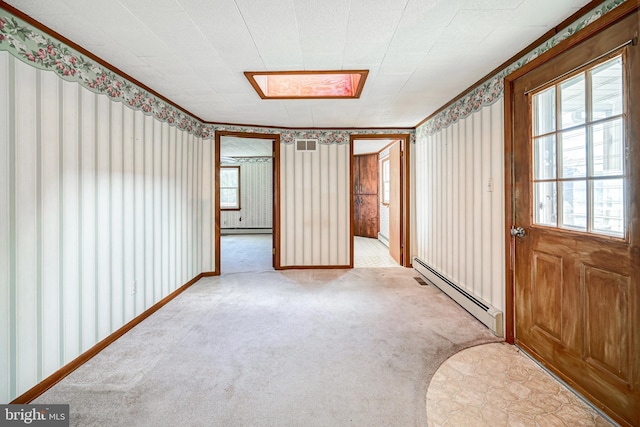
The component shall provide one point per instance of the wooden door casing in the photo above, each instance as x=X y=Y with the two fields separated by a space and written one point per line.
x=577 y=298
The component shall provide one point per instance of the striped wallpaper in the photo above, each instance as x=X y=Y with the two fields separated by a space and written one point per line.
x=256 y=195
x=315 y=212
x=106 y=211
x=459 y=202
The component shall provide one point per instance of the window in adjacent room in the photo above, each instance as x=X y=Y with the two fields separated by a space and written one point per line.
x=386 y=184
x=230 y=187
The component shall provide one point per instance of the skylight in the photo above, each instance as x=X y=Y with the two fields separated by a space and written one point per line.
x=307 y=84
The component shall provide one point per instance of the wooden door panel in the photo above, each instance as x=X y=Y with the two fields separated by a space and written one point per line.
x=367 y=215
x=607 y=320
x=357 y=221
x=577 y=295
x=578 y=314
x=367 y=174
x=547 y=294
x=356 y=174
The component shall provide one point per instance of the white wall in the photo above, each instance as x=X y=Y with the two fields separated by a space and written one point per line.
x=256 y=195
x=315 y=212
x=94 y=197
x=459 y=216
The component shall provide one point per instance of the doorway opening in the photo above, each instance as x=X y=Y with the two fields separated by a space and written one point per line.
x=246 y=202
x=379 y=200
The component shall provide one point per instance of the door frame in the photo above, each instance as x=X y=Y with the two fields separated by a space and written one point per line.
x=510 y=144
x=405 y=195
x=275 y=188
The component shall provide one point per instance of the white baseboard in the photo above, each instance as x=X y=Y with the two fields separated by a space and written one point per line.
x=383 y=239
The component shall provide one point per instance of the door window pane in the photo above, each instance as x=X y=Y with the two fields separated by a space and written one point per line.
x=608 y=147
x=608 y=206
x=606 y=83
x=545 y=203
x=544 y=105
x=572 y=95
x=574 y=204
x=574 y=154
x=578 y=151
x=545 y=157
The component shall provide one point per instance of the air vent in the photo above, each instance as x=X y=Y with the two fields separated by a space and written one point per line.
x=306 y=144
x=420 y=281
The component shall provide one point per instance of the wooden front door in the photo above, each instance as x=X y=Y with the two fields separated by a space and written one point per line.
x=365 y=200
x=576 y=186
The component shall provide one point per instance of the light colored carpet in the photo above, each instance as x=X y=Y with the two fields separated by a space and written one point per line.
x=243 y=253
x=295 y=348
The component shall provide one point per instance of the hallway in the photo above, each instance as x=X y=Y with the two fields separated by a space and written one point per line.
x=244 y=253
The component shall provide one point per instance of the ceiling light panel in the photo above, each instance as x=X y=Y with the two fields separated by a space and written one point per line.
x=307 y=84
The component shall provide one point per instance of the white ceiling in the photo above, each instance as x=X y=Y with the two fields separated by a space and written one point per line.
x=420 y=53
x=369 y=146
x=231 y=146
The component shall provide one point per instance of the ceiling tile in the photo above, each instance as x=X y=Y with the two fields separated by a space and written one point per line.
x=490 y=4
x=473 y=25
x=172 y=6
x=420 y=53
x=167 y=64
x=280 y=35
x=544 y=12
x=401 y=63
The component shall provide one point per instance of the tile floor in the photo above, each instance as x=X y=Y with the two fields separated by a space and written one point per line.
x=371 y=253
x=497 y=385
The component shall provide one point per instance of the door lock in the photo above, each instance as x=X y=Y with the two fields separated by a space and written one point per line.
x=517 y=231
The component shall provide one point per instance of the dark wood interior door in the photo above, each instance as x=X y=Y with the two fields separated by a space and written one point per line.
x=365 y=178
x=577 y=197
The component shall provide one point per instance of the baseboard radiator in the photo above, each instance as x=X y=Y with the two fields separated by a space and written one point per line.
x=481 y=310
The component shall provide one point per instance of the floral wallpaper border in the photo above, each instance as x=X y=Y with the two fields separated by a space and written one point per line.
x=337 y=136
x=493 y=89
x=251 y=160
x=40 y=50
